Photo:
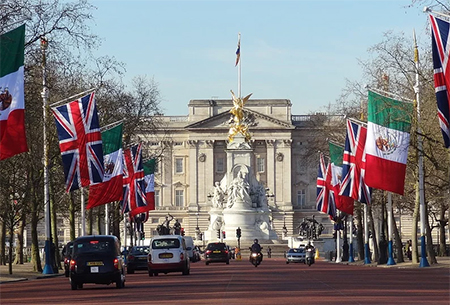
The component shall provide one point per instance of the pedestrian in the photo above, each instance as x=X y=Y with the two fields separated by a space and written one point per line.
x=269 y=252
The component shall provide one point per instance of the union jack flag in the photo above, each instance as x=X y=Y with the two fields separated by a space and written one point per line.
x=354 y=164
x=134 y=201
x=325 y=195
x=80 y=142
x=439 y=42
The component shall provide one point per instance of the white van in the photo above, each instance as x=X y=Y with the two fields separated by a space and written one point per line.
x=190 y=247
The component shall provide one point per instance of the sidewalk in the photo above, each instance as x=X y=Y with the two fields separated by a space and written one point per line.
x=442 y=262
x=22 y=273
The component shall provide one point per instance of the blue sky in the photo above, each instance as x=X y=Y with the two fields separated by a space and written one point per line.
x=298 y=50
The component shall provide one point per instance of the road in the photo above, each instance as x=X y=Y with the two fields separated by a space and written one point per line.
x=273 y=282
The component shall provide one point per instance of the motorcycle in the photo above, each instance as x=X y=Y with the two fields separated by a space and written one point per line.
x=309 y=256
x=255 y=257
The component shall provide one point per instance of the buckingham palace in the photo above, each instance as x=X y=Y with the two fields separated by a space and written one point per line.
x=191 y=158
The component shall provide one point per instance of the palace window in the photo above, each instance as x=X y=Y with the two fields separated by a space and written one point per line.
x=220 y=165
x=179 y=198
x=260 y=166
x=157 y=203
x=178 y=165
x=301 y=198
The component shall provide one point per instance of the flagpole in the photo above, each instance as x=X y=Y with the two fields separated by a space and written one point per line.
x=390 y=95
x=426 y=9
x=73 y=96
x=239 y=67
x=366 y=237
x=423 y=254
x=390 y=261
x=48 y=267
x=106 y=219
x=83 y=213
x=350 y=257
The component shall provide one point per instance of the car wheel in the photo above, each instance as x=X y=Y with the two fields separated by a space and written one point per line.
x=206 y=263
x=156 y=273
x=287 y=262
x=228 y=262
x=150 y=273
x=80 y=286
x=73 y=285
x=66 y=273
x=130 y=271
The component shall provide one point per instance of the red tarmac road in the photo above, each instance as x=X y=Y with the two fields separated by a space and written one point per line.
x=273 y=282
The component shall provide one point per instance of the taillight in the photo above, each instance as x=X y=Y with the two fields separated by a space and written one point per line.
x=181 y=256
x=208 y=252
x=149 y=258
x=116 y=263
x=66 y=260
x=226 y=251
x=72 y=265
x=130 y=257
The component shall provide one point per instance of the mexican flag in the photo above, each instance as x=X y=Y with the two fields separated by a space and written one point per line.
x=343 y=203
x=111 y=189
x=13 y=140
x=387 y=142
x=149 y=176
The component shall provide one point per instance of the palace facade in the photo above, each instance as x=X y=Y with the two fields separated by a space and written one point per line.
x=191 y=157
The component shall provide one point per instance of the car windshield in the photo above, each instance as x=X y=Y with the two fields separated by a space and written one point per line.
x=300 y=250
x=93 y=246
x=168 y=243
x=217 y=246
x=140 y=250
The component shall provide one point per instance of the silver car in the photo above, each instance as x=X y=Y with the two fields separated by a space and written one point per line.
x=295 y=255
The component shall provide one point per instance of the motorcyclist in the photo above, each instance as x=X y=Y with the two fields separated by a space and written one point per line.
x=256 y=247
x=309 y=246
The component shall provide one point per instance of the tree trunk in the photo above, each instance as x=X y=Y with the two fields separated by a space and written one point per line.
x=398 y=243
x=90 y=221
x=374 y=236
x=360 y=231
x=10 y=251
x=72 y=216
x=2 y=242
x=54 y=226
x=19 y=249
x=99 y=220
x=442 y=223
x=35 y=255
x=116 y=220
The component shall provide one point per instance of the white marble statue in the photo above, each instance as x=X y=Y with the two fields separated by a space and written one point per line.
x=239 y=189
x=219 y=197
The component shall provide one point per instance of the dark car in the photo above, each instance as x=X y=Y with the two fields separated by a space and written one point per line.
x=66 y=254
x=217 y=252
x=96 y=259
x=137 y=258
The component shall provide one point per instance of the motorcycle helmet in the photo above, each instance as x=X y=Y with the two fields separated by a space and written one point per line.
x=255 y=241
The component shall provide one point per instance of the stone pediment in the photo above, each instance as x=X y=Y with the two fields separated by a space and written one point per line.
x=256 y=120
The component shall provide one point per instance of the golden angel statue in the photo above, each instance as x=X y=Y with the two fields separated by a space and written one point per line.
x=238 y=126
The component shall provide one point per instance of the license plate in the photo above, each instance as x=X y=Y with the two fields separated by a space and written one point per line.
x=166 y=255
x=94 y=269
x=95 y=263
x=142 y=258
x=217 y=251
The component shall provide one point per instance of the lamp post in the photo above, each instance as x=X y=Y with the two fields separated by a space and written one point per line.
x=48 y=269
